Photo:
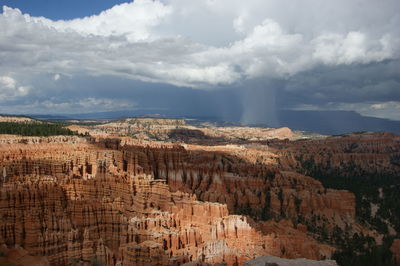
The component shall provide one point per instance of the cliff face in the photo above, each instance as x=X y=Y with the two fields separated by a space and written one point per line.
x=368 y=164
x=256 y=189
x=364 y=153
x=68 y=201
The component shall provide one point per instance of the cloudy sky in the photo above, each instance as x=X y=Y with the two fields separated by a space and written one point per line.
x=206 y=57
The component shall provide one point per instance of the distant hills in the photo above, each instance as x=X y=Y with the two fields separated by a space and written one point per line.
x=336 y=122
x=323 y=122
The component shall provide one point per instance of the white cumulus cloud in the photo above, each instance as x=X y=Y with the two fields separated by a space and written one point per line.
x=10 y=89
x=149 y=40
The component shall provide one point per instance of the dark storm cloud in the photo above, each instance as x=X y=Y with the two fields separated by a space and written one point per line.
x=271 y=54
x=353 y=83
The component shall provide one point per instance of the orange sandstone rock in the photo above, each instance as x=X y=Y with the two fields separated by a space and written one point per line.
x=395 y=249
x=72 y=201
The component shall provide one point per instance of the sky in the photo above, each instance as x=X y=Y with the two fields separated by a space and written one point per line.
x=249 y=59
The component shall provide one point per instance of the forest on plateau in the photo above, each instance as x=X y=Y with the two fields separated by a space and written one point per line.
x=34 y=129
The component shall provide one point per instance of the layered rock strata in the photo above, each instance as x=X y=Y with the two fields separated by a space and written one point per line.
x=77 y=202
x=364 y=153
x=247 y=187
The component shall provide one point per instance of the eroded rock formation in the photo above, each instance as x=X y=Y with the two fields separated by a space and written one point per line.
x=256 y=189
x=69 y=201
x=364 y=152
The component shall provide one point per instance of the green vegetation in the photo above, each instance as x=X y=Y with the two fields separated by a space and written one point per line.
x=362 y=250
x=20 y=116
x=95 y=262
x=34 y=129
x=265 y=213
x=379 y=189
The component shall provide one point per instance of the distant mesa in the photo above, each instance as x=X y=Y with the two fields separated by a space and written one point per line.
x=151 y=121
x=188 y=131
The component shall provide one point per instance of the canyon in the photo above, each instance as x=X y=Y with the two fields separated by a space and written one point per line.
x=68 y=201
x=104 y=199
